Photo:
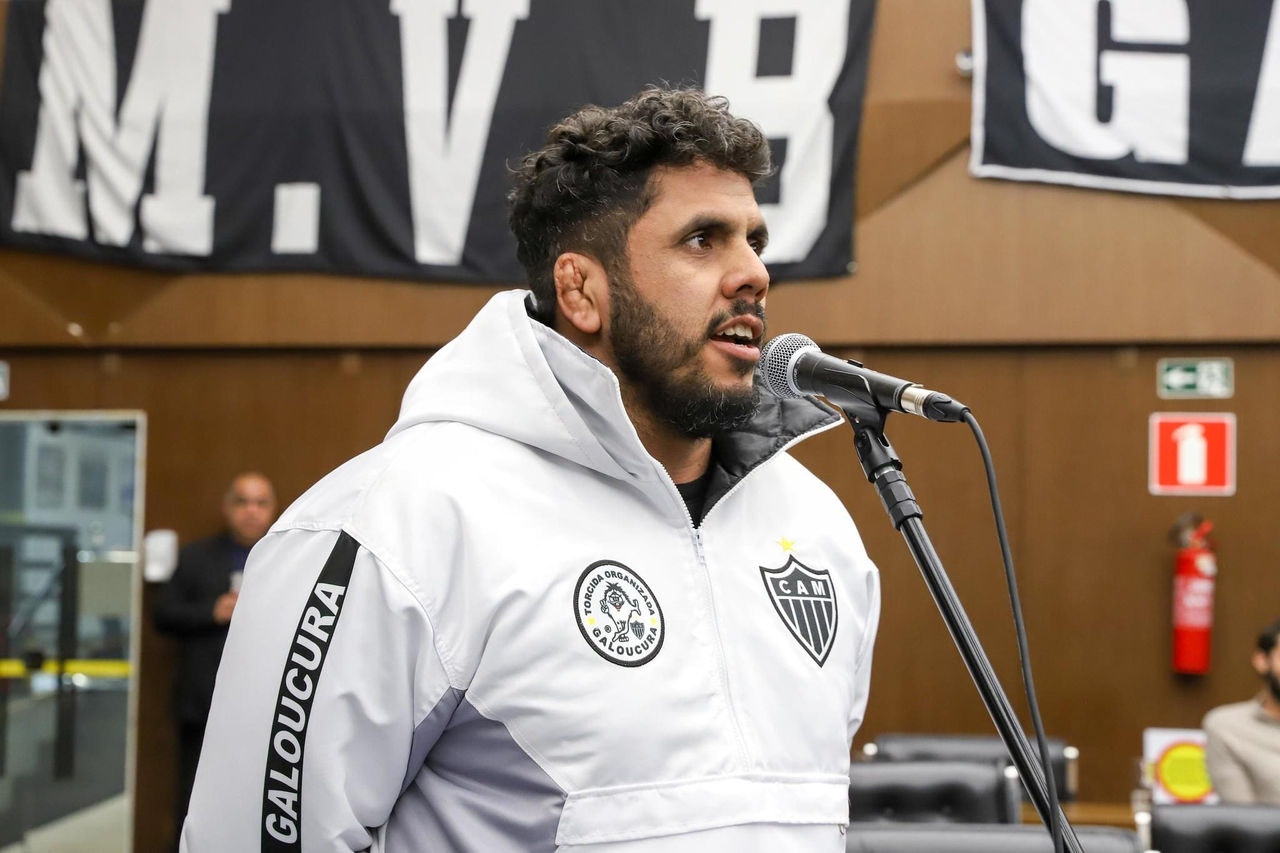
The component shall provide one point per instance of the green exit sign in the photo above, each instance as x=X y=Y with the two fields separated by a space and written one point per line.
x=1195 y=378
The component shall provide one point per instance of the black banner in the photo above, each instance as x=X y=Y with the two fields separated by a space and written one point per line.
x=375 y=137
x=1159 y=96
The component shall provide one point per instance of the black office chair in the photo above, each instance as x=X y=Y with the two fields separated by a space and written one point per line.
x=933 y=791
x=950 y=747
x=980 y=838
x=1215 y=829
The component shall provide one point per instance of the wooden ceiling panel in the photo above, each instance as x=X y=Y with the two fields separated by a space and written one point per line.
x=913 y=51
x=25 y=320
x=903 y=141
x=300 y=310
x=92 y=298
x=1251 y=225
x=126 y=306
x=917 y=105
x=961 y=260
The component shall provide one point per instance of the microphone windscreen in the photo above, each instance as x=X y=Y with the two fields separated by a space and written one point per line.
x=776 y=360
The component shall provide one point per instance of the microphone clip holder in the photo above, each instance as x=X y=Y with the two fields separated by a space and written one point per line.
x=880 y=461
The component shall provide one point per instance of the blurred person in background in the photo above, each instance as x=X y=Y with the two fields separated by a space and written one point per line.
x=195 y=608
x=1243 y=749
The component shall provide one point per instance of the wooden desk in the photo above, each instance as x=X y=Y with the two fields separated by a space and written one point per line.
x=1088 y=814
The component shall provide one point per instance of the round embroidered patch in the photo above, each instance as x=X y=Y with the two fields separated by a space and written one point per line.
x=618 y=614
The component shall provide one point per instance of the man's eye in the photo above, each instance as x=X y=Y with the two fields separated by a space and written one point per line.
x=699 y=241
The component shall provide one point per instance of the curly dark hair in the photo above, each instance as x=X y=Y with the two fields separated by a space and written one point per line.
x=1268 y=638
x=585 y=188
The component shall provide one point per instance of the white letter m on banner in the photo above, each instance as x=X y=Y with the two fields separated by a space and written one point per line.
x=166 y=105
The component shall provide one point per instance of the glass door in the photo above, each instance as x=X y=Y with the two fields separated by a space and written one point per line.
x=70 y=521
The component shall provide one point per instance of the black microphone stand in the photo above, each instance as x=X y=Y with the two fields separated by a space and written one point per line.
x=884 y=470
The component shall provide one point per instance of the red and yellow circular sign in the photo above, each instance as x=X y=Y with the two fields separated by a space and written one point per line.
x=1181 y=771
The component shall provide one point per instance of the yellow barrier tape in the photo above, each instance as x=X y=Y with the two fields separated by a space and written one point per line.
x=14 y=668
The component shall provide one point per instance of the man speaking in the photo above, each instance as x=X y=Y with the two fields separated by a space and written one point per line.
x=580 y=597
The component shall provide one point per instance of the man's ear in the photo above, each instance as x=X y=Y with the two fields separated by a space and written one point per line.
x=582 y=289
x=1260 y=663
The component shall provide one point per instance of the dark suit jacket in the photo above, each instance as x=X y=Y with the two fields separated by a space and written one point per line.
x=185 y=611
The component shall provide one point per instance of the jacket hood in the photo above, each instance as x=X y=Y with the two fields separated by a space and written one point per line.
x=513 y=376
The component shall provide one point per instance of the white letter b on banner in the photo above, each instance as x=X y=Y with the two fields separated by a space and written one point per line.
x=792 y=107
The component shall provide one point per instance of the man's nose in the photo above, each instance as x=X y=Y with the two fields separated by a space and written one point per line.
x=748 y=277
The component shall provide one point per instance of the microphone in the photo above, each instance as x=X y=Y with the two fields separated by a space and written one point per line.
x=793 y=366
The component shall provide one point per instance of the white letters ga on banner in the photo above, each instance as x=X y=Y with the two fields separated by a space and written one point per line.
x=1177 y=97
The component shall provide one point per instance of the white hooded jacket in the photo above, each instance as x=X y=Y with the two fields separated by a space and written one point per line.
x=499 y=630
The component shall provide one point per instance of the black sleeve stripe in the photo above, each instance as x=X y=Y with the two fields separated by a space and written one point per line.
x=282 y=786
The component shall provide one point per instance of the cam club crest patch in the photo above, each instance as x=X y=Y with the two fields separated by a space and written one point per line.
x=806 y=601
x=618 y=614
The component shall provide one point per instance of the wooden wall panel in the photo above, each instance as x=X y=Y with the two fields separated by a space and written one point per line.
x=113 y=306
x=1103 y=564
x=1067 y=428
x=25 y=318
x=917 y=105
x=919 y=682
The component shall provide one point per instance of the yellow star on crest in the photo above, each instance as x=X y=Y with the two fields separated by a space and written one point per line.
x=786 y=544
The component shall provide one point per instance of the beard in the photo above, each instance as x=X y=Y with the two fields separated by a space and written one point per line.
x=651 y=354
x=1273 y=684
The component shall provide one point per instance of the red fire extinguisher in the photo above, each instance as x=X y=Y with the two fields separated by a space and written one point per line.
x=1194 y=575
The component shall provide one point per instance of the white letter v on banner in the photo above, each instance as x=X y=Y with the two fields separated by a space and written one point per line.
x=446 y=149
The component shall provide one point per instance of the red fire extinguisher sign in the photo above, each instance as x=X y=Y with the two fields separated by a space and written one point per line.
x=1192 y=453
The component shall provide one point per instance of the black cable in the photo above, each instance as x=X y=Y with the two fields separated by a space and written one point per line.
x=1024 y=657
